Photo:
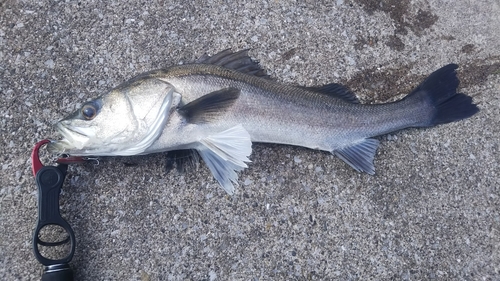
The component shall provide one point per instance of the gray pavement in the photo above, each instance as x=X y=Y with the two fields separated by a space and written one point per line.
x=430 y=213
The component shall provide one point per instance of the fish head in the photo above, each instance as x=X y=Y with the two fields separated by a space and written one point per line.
x=125 y=121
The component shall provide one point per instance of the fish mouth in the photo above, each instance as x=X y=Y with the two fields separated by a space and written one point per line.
x=74 y=139
x=73 y=132
x=59 y=146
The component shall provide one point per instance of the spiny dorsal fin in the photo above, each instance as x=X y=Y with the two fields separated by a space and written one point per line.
x=337 y=91
x=210 y=106
x=225 y=154
x=182 y=160
x=239 y=61
x=360 y=155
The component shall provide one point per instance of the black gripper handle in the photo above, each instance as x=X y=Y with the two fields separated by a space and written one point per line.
x=49 y=180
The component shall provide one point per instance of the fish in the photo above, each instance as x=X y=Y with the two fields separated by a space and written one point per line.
x=219 y=105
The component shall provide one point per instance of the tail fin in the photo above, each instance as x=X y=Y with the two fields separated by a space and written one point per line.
x=440 y=89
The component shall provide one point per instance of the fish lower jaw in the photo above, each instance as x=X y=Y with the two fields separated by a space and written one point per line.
x=58 y=146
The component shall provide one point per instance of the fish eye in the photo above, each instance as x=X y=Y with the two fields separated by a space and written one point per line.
x=89 y=111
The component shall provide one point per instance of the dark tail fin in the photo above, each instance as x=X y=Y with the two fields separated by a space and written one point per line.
x=440 y=89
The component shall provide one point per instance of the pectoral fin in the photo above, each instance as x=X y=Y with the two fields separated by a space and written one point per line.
x=360 y=155
x=225 y=154
x=210 y=106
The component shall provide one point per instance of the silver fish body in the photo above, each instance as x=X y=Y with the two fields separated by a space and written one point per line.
x=222 y=104
x=277 y=113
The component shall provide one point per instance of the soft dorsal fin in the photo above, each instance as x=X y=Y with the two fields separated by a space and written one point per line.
x=225 y=154
x=239 y=61
x=360 y=155
x=210 y=106
x=337 y=91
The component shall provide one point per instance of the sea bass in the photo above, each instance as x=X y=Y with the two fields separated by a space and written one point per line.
x=221 y=104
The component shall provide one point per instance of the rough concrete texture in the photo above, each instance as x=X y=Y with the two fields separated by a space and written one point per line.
x=430 y=213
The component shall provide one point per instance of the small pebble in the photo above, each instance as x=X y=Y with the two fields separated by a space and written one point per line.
x=297 y=160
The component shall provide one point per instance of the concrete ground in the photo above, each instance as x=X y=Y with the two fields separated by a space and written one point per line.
x=432 y=211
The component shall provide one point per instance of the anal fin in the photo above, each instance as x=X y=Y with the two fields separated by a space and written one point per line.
x=359 y=155
x=225 y=154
